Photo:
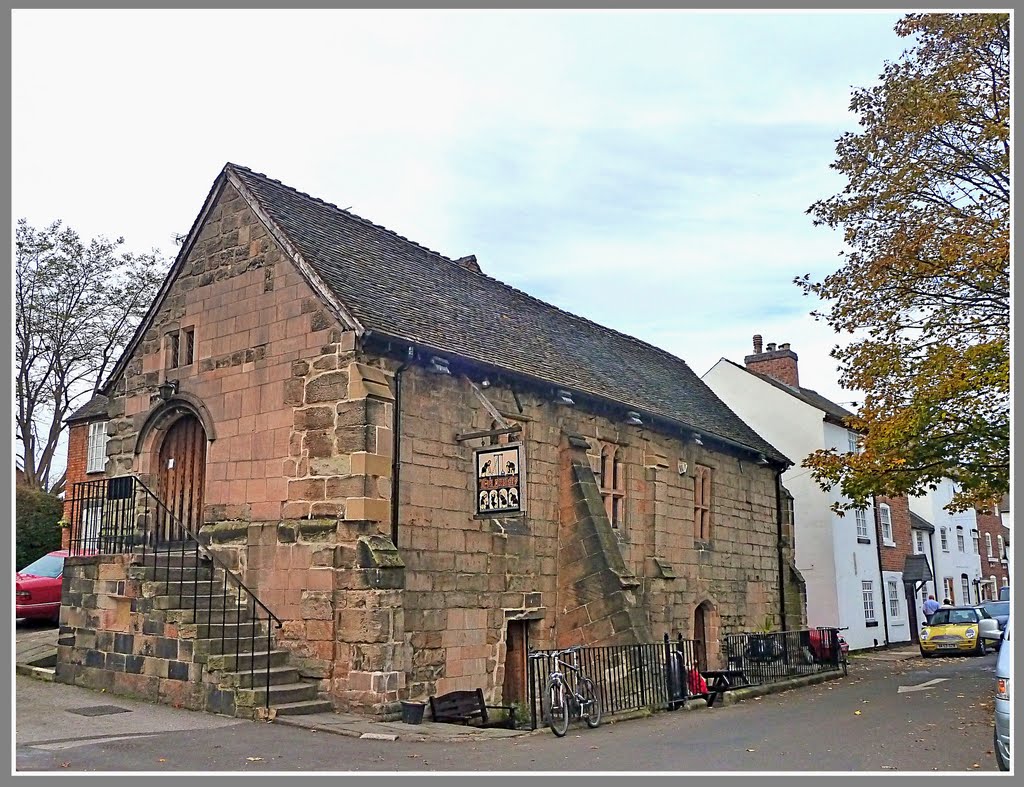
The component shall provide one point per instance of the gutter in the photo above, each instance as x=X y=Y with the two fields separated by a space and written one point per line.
x=396 y=449
x=881 y=574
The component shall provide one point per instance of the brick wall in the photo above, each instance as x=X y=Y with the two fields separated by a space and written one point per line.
x=991 y=524
x=893 y=557
x=779 y=364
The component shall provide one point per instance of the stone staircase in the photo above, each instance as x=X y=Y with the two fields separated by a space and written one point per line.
x=232 y=650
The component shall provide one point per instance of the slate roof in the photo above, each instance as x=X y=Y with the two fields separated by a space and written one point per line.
x=920 y=523
x=95 y=407
x=833 y=411
x=402 y=290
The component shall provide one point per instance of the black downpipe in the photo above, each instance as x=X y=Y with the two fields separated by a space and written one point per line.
x=881 y=574
x=778 y=546
x=396 y=449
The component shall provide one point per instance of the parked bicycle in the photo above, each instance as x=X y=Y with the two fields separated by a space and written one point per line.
x=568 y=694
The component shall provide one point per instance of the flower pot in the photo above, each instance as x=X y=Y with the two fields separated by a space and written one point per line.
x=412 y=712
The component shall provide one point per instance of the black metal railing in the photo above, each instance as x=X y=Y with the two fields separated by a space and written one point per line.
x=122 y=515
x=656 y=675
x=768 y=657
x=626 y=677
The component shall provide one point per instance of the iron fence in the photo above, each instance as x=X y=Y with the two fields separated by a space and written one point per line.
x=122 y=515
x=656 y=675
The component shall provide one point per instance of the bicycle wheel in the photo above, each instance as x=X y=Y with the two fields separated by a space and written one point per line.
x=591 y=703
x=556 y=711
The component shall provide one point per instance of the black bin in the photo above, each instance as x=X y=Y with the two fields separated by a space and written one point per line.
x=412 y=712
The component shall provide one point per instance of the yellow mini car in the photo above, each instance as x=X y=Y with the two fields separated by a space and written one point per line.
x=957 y=630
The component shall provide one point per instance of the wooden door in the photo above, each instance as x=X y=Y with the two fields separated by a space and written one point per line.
x=516 y=646
x=181 y=479
x=700 y=636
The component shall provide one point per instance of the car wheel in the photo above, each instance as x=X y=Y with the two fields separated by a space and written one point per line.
x=1004 y=765
x=982 y=648
x=925 y=654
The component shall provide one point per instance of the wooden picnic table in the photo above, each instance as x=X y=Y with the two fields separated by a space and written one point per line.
x=721 y=681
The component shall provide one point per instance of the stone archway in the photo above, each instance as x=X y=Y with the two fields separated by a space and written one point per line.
x=705 y=634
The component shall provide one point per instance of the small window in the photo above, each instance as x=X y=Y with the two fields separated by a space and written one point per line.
x=965 y=587
x=885 y=517
x=993 y=587
x=173 y=350
x=189 y=337
x=977 y=542
x=702 y=503
x=960 y=538
x=988 y=547
x=181 y=348
x=96 y=460
x=894 y=599
x=918 y=542
x=944 y=539
x=862 y=523
x=1002 y=548
x=612 y=482
x=869 y=601
x=947 y=588
x=853 y=442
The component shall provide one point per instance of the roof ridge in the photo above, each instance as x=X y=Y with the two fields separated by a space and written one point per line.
x=632 y=339
x=347 y=213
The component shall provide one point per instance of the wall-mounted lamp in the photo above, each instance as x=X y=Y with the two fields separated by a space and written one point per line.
x=438 y=365
x=167 y=389
x=633 y=417
x=762 y=459
x=697 y=440
x=564 y=397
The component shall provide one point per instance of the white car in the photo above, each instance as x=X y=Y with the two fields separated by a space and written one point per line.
x=1002 y=713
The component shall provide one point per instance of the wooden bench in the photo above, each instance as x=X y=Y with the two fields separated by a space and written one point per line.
x=466 y=707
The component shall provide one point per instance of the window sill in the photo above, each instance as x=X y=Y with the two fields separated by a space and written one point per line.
x=888 y=543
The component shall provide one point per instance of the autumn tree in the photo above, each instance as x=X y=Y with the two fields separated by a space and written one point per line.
x=924 y=284
x=76 y=306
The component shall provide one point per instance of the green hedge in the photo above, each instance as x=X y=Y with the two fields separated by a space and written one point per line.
x=36 y=530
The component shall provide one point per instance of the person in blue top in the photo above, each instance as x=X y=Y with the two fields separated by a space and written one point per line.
x=929 y=607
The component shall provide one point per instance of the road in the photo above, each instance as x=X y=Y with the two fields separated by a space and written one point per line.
x=860 y=723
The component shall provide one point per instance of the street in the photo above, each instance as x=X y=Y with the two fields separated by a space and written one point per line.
x=860 y=723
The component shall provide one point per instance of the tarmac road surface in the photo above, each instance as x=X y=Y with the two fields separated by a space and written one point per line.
x=860 y=723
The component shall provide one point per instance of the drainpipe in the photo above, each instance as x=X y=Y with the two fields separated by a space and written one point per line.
x=778 y=546
x=881 y=574
x=935 y=566
x=396 y=449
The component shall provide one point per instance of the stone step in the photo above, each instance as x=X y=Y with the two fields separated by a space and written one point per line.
x=247 y=679
x=279 y=695
x=199 y=601
x=224 y=662
x=205 y=616
x=188 y=559
x=303 y=707
x=165 y=573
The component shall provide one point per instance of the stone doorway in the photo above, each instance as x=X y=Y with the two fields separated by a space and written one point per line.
x=181 y=478
x=517 y=645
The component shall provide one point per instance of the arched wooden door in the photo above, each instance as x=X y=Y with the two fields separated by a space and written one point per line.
x=700 y=636
x=181 y=479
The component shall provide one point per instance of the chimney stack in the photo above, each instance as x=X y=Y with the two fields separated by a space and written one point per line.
x=779 y=363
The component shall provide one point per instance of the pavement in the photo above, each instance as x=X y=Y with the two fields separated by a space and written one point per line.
x=36 y=653
x=889 y=654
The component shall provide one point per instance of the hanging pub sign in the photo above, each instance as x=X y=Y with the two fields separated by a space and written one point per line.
x=499 y=480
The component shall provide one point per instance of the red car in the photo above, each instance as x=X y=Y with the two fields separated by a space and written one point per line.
x=37 y=587
x=820 y=647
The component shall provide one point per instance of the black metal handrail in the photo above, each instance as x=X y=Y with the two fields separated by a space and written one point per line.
x=768 y=657
x=107 y=517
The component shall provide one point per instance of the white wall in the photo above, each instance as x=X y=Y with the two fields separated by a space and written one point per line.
x=950 y=562
x=826 y=544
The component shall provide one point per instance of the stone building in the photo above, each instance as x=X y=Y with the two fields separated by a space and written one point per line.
x=311 y=394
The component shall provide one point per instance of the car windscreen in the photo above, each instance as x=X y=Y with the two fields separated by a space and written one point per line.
x=952 y=617
x=997 y=608
x=46 y=566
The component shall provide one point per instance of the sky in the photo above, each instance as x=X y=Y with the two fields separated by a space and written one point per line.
x=650 y=171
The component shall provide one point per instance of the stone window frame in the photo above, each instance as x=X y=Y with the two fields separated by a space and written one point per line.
x=885 y=518
x=96 y=452
x=613 y=495
x=703 y=497
x=181 y=353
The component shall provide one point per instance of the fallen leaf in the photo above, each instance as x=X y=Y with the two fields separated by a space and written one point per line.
x=65 y=764
x=751 y=749
x=162 y=759
x=254 y=759
x=976 y=765
x=856 y=713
